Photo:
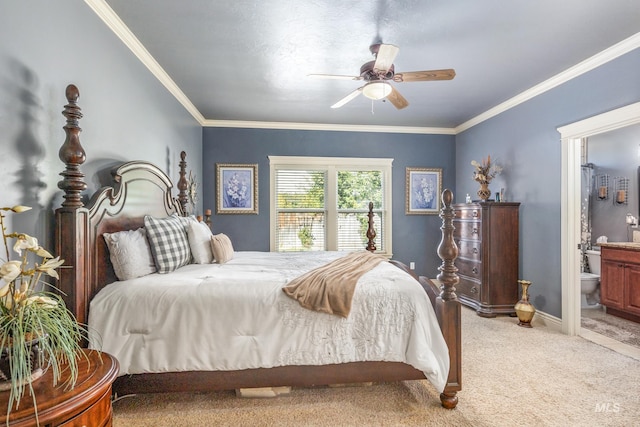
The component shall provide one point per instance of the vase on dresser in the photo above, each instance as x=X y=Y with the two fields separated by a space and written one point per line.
x=524 y=309
x=484 y=192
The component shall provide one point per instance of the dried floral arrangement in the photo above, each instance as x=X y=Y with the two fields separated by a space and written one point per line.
x=484 y=172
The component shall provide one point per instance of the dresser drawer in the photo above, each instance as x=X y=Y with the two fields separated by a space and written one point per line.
x=468 y=213
x=469 y=268
x=467 y=230
x=469 y=288
x=470 y=249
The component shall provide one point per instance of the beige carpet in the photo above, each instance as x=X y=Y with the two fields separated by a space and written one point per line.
x=513 y=376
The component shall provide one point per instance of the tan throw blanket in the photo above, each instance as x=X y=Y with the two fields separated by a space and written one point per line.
x=330 y=288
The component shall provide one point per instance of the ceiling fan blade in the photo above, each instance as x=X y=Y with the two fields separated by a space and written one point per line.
x=385 y=57
x=333 y=76
x=347 y=98
x=424 y=76
x=397 y=100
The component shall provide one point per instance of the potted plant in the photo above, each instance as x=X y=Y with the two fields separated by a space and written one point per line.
x=37 y=331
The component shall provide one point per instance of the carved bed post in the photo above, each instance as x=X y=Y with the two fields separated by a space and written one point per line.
x=71 y=152
x=371 y=232
x=447 y=304
x=71 y=234
x=183 y=184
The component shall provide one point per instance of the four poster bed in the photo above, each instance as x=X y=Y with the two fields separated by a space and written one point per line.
x=141 y=192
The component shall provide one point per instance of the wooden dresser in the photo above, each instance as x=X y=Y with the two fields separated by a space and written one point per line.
x=487 y=235
x=88 y=404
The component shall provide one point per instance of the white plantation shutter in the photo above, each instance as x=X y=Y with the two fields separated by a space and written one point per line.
x=321 y=203
x=300 y=207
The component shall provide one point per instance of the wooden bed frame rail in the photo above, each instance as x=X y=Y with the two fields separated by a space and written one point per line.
x=78 y=240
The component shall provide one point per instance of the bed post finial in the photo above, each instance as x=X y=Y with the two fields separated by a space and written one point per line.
x=371 y=232
x=71 y=153
x=447 y=250
x=183 y=184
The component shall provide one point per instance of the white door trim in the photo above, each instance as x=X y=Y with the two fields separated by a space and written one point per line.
x=571 y=137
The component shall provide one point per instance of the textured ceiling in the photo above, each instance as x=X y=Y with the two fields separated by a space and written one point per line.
x=249 y=60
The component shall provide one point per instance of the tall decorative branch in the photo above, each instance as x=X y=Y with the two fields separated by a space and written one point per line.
x=447 y=250
x=72 y=153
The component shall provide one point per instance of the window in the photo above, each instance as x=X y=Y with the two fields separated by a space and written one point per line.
x=321 y=203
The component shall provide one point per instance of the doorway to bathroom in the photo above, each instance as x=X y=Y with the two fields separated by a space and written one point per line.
x=609 y=212
x=572 y=137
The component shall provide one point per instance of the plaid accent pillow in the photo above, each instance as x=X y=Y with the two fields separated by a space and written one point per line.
x=168 y=241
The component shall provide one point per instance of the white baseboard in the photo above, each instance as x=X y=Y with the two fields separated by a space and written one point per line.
x=545 y=319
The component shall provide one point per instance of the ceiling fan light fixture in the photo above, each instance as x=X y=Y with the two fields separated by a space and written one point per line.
x=377 y=90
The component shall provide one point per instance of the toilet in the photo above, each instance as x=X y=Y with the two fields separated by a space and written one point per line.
x=590 y=297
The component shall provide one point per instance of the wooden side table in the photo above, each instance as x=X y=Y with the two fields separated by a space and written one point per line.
x=88 y=404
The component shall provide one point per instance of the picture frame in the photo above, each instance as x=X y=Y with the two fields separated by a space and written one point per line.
x=236 y=188
x=423 y=189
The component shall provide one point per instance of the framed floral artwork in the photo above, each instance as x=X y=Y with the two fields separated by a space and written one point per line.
x=423 y=187
x=236 y=189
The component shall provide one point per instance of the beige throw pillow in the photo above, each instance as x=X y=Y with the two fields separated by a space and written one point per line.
x=222 y=248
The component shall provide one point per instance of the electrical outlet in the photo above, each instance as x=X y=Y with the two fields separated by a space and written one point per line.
x=412 y=265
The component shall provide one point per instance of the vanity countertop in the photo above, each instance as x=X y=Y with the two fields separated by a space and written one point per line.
x=632 y=246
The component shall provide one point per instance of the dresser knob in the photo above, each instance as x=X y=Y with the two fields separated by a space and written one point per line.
x=474 y=231
x=474 y=250
x=474 y=214
x=474 y=290
x=475 y=270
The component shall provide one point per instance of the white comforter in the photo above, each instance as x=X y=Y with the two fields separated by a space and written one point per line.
x=236 y=316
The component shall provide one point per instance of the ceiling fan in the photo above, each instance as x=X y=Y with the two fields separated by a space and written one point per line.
x=379 y=72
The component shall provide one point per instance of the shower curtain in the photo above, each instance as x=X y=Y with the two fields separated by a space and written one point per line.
x=585 y=211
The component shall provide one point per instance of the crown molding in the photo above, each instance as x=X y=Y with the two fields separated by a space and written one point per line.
x=609 y=54
x=326 y=127
x=113 y=21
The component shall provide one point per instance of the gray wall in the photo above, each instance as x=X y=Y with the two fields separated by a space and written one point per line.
x=415 y=237
x=527 y=143
x=128 y=114
x=616 y=153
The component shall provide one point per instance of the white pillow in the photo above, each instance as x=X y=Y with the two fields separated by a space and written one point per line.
x=199 y=235
x=130 y=253
x=222 y=248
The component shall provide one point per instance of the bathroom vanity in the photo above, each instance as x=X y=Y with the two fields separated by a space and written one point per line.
x=620 y=279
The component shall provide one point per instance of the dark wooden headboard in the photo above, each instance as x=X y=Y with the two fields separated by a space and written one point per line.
x=139 y=188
